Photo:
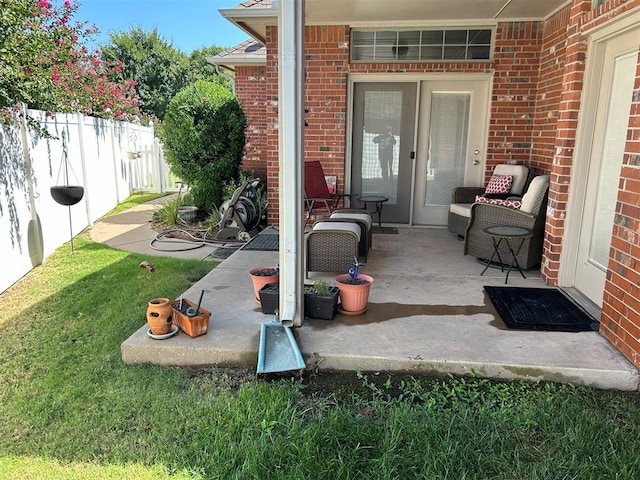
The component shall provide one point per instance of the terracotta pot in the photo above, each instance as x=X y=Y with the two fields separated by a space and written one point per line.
x=354 y=297
x=260 y=276
x=159 y=316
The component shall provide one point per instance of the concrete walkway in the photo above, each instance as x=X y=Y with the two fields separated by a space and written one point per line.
x=427 y=313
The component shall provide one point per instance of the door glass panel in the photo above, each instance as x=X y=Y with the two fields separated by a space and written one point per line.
x=381 y=142
x=449 y=122
x=615 y=132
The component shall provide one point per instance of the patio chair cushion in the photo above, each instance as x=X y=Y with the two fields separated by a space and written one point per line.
x=535 y=194
x=364 y=217
x=345 y=226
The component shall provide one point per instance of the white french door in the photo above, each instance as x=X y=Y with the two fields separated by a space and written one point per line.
x=608 y=137
x=451 y=145
x=418 y=176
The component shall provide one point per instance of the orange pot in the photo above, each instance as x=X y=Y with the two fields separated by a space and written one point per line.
x=354 y=297
x=159 y=316
x=260 y=277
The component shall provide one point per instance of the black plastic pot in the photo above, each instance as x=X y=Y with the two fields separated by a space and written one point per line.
x=67 y=194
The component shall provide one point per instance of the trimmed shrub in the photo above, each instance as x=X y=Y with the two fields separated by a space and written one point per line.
x=203 y=133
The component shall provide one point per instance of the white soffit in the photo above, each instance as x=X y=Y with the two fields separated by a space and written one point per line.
x=405 y=13
x=380 y=11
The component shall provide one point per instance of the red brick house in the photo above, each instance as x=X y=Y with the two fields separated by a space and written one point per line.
x=553 y=84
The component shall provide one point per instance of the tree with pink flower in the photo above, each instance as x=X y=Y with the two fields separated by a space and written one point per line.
x=45 y=64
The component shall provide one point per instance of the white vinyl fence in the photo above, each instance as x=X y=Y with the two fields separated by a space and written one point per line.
x=110 y=159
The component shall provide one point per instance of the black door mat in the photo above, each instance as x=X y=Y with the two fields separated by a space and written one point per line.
x=268 y=242
x=539 y=309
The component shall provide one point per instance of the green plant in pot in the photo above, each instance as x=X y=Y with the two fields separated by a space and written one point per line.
x=320 y=300
x=354 y=290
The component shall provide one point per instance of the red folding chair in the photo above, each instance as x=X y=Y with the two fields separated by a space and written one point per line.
x=318 y=199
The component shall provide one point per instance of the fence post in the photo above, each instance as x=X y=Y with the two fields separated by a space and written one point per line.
x=114 y=157
x=83 y=164
x=162 y=171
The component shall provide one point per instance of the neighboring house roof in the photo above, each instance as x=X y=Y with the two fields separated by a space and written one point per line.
x=253 y=16
x=249 y=52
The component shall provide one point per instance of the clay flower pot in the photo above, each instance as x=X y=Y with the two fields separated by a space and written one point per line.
x=159 y=316
x=260 y=276
x=354 y=293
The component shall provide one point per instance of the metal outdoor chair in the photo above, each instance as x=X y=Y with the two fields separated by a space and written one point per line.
x=318 y=199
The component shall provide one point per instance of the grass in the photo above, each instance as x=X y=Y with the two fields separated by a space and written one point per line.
x=136 y=199
x=72 y=410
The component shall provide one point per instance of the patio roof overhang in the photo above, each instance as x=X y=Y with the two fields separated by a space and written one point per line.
x=254 y=16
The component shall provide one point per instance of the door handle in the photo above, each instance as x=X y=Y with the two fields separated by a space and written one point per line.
x=476 y=162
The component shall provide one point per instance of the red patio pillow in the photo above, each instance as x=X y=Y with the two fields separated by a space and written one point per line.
x=499 y=184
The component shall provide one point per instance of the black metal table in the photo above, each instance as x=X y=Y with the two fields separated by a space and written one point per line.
x=503 y=233
x=378 y=200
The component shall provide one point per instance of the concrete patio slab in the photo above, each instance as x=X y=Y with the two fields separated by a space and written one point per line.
x=427 y=313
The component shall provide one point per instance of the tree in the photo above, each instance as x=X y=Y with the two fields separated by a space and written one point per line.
x=204 y=139
x=158 y=69
x=45 y=64
x=203 y=70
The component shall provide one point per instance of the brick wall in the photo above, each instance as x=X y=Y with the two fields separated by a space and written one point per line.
x=251 y=93
x=326 y=64
x=271 y=112
x=513 y=100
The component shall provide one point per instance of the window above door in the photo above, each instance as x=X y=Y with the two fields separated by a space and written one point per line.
x=424 y=45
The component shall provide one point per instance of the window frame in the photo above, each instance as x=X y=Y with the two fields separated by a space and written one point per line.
x=371 y=42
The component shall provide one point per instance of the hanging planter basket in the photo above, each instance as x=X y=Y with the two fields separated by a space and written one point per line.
x=63 y=193
x=67 y=194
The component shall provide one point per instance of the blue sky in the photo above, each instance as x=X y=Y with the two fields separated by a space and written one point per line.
x=187 y=24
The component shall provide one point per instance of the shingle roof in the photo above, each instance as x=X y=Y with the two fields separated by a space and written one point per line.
x=254 y=3
x=249 y=52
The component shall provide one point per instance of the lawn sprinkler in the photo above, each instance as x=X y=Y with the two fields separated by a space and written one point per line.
x=243 y=214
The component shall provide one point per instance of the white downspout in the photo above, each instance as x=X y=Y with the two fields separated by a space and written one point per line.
x=290 y=158
x=220 y=71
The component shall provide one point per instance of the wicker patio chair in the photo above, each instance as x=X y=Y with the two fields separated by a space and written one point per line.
x=331 y=246
x=531 y=215
x=463 y=197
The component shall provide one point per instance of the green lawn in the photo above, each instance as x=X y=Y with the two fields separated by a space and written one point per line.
x=72 y=410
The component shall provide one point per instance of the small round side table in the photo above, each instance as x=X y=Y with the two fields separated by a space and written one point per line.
x=378 y=200
x=506 y=234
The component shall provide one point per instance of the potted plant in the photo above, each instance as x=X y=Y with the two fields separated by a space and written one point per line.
x=354 y=291
x=260 y=276
x=320 y=300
